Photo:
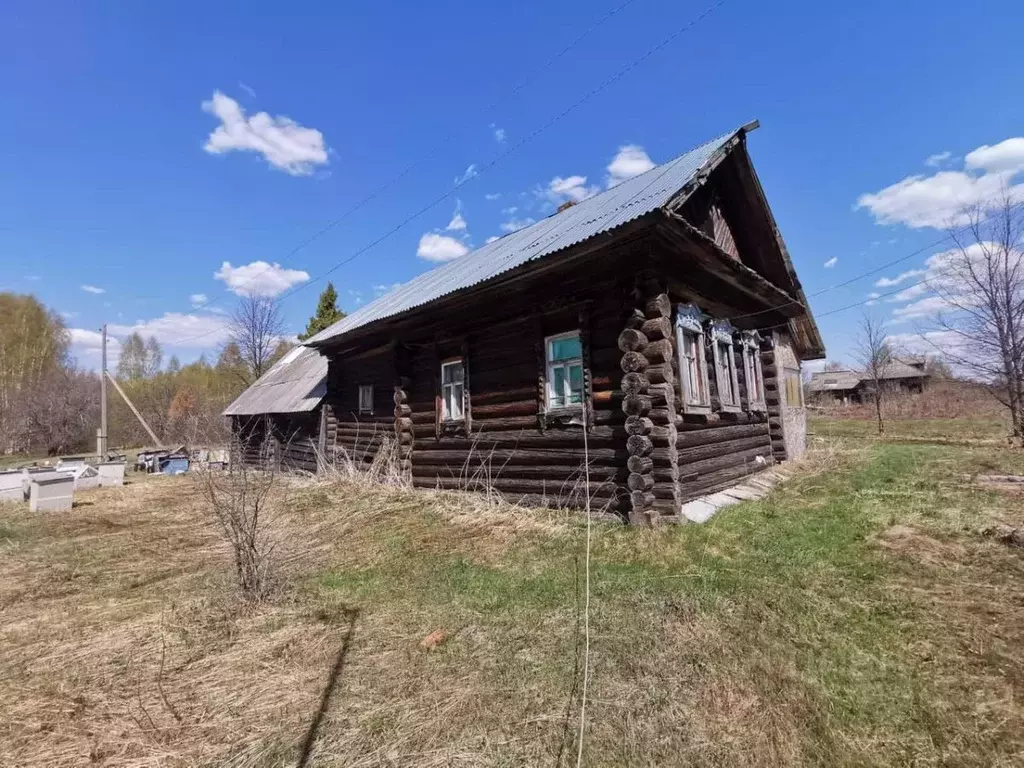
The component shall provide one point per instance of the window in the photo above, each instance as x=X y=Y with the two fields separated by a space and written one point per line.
x=453 y=379
x=564 y=355
x=753 y=377
x=725 y=366
x=366 y=398
x=693 y=369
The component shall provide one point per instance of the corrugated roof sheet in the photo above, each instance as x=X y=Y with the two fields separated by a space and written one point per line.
x=828 y=381
x=617 y=206
x=296 y=384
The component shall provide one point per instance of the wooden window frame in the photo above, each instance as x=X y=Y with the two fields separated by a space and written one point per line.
x=695 y=393
x=446 y=417
x=364 y=388
x=753 y=375
x=549 y=366
x=724 y=356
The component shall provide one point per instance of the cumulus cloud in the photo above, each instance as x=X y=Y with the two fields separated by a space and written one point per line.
x=282 y=142
x=572 y=188
x=435 y=247
x=259 y=278
x=173 y=329
x=87 y=346
x=926 y=307
x=492 y=195
x=630 y=161
x=93 y=289
x=831 y=262
x=499 y=133
x=889 y=282
x=908 y=294
x=196 y=299
x=940 y=200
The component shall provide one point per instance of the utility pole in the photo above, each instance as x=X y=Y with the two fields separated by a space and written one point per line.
x=101 y=437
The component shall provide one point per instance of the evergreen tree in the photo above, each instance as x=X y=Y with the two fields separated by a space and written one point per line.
x=173 y=365
x=327 y=313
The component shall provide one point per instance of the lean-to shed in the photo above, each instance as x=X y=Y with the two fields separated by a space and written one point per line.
x=277 y=421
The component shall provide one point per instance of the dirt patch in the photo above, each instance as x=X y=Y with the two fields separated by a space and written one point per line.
x=909 y=542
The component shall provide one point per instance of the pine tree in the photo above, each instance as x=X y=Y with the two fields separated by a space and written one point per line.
x=327 y=313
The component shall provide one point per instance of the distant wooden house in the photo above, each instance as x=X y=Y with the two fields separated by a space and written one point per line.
x=656 y=328
x=276 y=423
x=850 y=386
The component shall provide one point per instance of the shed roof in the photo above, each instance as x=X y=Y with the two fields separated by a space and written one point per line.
x=619 y=205
x=295 y=384
x=832 y=381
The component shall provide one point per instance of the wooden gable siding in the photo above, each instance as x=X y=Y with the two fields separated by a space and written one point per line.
x=349 y=434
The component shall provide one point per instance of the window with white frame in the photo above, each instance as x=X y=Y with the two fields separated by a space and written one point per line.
x=564 y=355
x=752 y=375
x=453 y=383
x=725 y=366
x=693 y=369
x=366 y=398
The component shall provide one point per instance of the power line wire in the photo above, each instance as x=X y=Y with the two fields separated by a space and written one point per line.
x=494 y=161
x=433 y=152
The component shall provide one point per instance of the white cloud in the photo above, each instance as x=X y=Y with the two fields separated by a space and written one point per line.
x=510 y=211
x=69 y=315
x=492 y=195
x=630 y=161
x=939 y=200
x=908 y=294
x=513 y=225
x=573 y=188
x=938 y=158
x=87 y=346
x=197 y=298
x=874 y=295
x=247 y=89
x=458 y=222
x=889 y=282
x=491 y=239
x=926 y=307
x=33 y=278
x=284 y=144
x=435 y=247
x=176 y=329
x=1005 y=157
x=469 y=174
x=93 y=289
x=259 y=278
x=499 y=133
x=831 y=262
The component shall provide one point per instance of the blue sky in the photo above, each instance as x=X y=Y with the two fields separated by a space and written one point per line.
x=124 y=171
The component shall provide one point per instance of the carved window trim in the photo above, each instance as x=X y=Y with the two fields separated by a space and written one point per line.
x=693 y=367
x=721 y=335
x=753 y=376
x=453 y=408
x=550 y=366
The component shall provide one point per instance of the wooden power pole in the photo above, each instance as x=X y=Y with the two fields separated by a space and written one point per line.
x=101 y=437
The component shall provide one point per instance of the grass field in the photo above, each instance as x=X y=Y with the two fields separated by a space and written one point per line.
x=853 y=617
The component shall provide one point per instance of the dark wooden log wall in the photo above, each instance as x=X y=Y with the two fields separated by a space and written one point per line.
x=249 y=444
x=509 y=443
x=773 y=397
x=296 y=437
x=352 y=436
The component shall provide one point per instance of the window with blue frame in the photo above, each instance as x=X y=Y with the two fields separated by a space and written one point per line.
x=564 y=355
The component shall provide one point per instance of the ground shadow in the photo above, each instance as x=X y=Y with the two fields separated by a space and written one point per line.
x=349 y=615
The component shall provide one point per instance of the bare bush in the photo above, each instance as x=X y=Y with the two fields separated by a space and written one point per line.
x=242 y=503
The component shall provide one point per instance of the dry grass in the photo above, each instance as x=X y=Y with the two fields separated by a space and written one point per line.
x=852 y=617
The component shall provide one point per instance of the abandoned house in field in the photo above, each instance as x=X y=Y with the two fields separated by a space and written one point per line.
x=844 y=387
x=656 y=328
x=277 y=422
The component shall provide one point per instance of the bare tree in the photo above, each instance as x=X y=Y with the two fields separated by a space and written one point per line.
x=980 y=282
x=875 y=356
x=256 y=328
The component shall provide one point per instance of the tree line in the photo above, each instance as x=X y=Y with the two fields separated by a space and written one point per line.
x=49 y=404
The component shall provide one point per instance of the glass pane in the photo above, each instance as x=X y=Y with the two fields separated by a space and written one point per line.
x=576 y=384
x=558 y=386
x=565 y=349
x=452 y=373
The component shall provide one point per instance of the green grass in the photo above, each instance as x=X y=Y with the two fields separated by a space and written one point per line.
x=950 y=430
x=853 y=617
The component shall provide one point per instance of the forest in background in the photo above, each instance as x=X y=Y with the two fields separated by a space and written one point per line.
x=50 y=405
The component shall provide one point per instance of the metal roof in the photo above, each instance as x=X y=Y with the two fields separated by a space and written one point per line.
x=830 y=381
x=610 y=209
x=296 y=384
